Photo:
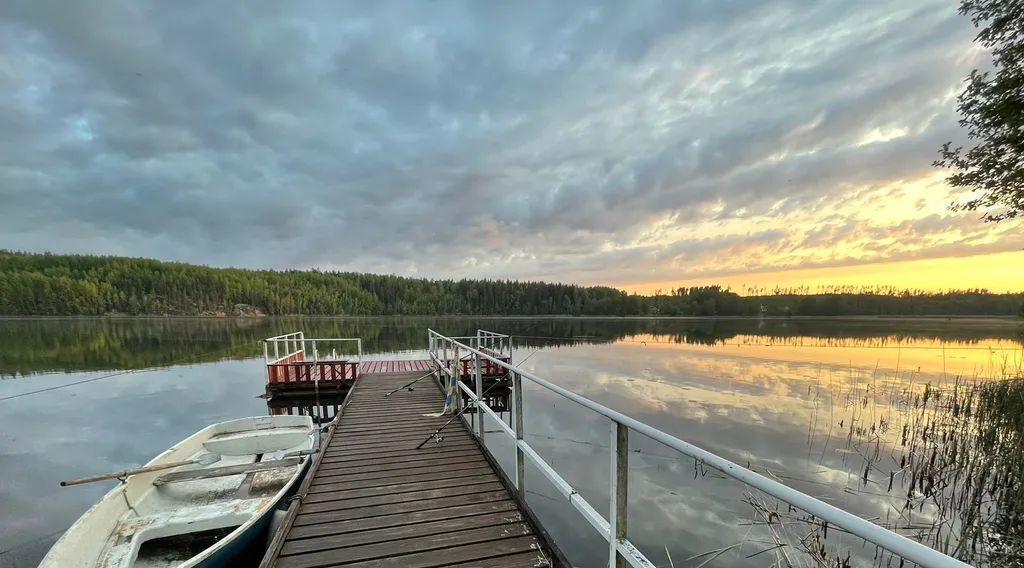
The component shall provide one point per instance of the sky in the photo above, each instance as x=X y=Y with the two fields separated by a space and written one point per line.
x=643 y=145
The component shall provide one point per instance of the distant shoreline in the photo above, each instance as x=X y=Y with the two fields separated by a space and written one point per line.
x=980 y=318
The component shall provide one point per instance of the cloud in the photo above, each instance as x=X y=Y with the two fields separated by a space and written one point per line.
x=591 y=142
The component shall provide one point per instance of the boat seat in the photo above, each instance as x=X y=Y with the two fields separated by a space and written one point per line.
x=130 y=534
x=256 y=441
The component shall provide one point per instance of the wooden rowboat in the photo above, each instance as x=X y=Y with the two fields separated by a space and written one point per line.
x=202 y=513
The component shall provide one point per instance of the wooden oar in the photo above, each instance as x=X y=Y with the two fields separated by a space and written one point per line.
x=225 y=471
x=205 y=459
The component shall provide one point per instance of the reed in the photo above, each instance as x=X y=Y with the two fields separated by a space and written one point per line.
x=947 y=459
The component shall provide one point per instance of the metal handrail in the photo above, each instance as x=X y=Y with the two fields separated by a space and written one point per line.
x=296 y=342
x=614 y=528
x=499 y=342
x=291 y=335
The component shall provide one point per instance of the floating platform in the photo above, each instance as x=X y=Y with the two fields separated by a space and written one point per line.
x=304 y=374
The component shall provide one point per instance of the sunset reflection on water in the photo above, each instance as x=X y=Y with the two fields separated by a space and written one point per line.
x=795 y=399
x=811 y=412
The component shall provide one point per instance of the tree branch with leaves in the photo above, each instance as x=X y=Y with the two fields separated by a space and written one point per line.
x=991 y=108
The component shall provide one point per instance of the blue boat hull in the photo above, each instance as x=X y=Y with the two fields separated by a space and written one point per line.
x=240 y=544
x=253 y=538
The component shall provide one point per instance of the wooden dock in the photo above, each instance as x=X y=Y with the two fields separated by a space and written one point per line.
x=371 y=499
x=387 y=367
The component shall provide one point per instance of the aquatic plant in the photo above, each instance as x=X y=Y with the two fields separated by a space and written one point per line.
x=948 y=459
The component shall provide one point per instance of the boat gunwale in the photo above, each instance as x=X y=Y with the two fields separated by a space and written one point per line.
x=51 y=559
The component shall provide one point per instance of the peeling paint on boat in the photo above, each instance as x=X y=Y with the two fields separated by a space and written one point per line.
x=112 y=533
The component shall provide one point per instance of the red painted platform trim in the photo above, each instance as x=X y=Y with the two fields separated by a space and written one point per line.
x=488 y=368
x=302 y=372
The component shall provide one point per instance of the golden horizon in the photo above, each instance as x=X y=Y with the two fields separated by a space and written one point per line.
x=997 y=273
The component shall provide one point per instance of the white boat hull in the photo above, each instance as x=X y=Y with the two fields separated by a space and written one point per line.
x=161 y=518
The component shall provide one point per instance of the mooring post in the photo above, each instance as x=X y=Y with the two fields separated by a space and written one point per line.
x=454 y=401
x=479 y=396
x=517 y=408
x=618 y=484
x=266 y=359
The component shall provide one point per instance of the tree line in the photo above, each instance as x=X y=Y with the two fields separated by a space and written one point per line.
x=52 y=284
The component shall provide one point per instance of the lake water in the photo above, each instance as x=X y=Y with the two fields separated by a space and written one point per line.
x=830 y=407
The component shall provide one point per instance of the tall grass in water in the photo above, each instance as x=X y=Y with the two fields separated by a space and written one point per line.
x=946 y=461
x=967 y=458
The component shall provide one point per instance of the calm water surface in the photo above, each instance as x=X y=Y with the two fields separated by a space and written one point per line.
x=820 y=405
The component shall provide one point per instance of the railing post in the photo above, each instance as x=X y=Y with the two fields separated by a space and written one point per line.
x=266 y=360
x=276 y=355
x=479 y=396
x=517 y=410
x=453 y=395
x=316 y=354
x=618 y=484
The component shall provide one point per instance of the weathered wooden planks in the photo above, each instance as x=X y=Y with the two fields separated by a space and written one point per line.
x=387 y=367
x=376 y=500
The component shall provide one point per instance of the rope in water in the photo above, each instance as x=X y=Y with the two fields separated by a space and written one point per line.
x=187 y=359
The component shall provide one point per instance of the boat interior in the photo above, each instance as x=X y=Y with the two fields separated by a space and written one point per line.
x=180 y=515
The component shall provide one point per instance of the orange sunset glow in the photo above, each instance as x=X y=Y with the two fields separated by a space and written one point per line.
x=997 y=272
x=600 y=155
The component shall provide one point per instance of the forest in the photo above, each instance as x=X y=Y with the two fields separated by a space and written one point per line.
x=34 y=284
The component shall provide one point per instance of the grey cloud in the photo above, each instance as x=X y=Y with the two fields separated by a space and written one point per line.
x=444 y=139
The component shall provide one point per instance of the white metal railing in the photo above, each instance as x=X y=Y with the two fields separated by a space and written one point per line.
x=282 y=347
x=613 y=529
x=499 y=343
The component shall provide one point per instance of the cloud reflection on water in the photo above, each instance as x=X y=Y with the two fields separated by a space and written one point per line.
x=783 y=407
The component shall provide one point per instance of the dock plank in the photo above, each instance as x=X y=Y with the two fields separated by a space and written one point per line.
x=427 y=494
x=406 y=546
x=474 y=471
x=393 y=508
x=400 y=532
x=343 y=493
x=374 y=499
x=400 y=447
x=385 y=521
x=471 y=554
x=426 y=462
